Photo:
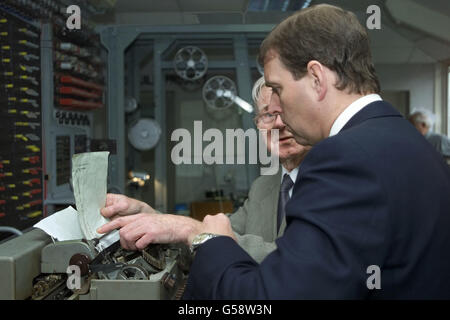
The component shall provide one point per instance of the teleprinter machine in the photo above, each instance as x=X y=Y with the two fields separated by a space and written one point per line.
x=32 y=266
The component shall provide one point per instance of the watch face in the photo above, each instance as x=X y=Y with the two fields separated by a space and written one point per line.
x=201 y=238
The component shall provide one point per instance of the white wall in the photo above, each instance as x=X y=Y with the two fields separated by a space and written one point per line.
x=418 y=79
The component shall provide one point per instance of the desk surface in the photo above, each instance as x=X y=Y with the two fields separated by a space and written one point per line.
x=200 y=209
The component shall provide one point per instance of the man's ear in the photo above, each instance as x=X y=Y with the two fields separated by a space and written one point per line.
x=319 y=78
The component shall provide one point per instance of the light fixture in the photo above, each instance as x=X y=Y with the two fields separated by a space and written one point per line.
x=239 y=101
x=138 y=178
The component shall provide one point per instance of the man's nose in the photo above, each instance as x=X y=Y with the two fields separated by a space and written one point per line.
x=278 y=123
x=274 y=104
x=274 y=107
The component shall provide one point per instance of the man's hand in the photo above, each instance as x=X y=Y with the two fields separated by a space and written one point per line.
x=217 y=224
x=139 y=230
x=119 y=205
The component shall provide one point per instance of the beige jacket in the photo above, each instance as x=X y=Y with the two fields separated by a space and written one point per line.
x=255 y=223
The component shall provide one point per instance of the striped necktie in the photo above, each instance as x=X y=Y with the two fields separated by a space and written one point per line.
x=286 y=185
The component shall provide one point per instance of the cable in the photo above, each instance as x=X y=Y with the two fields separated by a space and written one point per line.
x=11 y=230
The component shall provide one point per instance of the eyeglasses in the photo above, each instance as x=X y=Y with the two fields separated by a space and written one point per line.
x=267 y=117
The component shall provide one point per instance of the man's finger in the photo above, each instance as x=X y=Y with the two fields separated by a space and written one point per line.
x=109 y=226
x=112 y=198
x=105 y=212
x=109 y=199
x=113 y=209
x=129 y=234
x=108 y=212
x=124 y=244
x=143 y=242
x=117 y=223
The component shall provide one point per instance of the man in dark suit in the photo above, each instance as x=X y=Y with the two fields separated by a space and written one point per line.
x=370 y=212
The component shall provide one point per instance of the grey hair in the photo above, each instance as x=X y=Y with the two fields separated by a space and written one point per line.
x=256 y=91
x=423 y=116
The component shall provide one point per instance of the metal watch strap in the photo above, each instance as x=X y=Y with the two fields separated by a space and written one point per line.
x=201 y=239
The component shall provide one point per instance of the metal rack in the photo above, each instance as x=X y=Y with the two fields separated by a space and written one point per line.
x=21 y=186
x=61 y=81
x=73 y=87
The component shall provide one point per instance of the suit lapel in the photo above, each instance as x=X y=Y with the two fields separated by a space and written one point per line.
x=270 y=202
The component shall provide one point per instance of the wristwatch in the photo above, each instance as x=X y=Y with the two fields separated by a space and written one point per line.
x=201 y=239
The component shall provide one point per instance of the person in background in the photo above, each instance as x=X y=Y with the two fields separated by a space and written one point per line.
x=423 y=121
x=261 y=220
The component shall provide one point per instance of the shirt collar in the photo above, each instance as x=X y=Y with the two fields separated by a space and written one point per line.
x=351 y=110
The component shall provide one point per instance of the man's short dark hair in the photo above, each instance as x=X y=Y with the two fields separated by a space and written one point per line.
x=330 y=35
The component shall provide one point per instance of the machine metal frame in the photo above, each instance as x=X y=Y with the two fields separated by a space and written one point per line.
x=55 y=194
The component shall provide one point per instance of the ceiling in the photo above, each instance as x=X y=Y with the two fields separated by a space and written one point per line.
x=395 y=43
x=442 y=6
x=181 y=5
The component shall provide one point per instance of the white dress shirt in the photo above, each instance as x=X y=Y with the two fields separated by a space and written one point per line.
x=351 y=110
x=292 y=175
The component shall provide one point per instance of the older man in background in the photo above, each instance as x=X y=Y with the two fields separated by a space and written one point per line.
x=262 y=219
x=423 y=121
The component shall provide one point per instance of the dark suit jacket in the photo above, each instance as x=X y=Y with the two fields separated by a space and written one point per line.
x=377 y=194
